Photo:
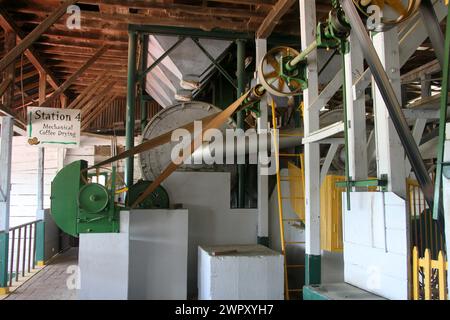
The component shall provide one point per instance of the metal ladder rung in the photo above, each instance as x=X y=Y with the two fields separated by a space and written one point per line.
x=290 y=135
x=295 y=242
x=289 y=155
x=295 y=266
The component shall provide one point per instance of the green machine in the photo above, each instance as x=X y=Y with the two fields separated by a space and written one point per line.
x=81 y=206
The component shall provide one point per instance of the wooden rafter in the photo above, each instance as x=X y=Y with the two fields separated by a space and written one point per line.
x=273 y=18
x=8 y=24
x=89 y=89
x=34 y=35
x=98 y=110
x=74 y=76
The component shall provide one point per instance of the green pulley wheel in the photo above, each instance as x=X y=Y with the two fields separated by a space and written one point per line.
x=93 y=198
x=159 y=199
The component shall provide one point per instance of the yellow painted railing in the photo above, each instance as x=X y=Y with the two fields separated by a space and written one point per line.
x=429 y=276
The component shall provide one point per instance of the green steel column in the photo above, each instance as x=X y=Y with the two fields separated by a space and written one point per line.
x=240 y=73
x=143 y=66
x=5 y=181
x=131 y=105
x=442 y=123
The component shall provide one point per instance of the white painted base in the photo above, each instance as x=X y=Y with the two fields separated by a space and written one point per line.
x=376 y=256
x=254 y=272
x=158 y=254
x=103 y=264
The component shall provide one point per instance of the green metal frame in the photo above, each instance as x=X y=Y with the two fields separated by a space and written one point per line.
x=142 y=74
x=382 y=183
x=190 y=32
x=437 y=205
x=214 y=62
x=131 y=105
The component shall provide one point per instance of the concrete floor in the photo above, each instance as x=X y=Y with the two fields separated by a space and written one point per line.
x=50 y=283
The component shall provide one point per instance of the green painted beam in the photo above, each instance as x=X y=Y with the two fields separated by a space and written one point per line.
x=131 y=105
x=191 y=32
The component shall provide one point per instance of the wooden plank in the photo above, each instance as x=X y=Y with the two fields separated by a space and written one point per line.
x=87 y=91
x=100 y=108
x=74 y=77
x=106 y=90
x=273 y=18
x=5 y=84
x=35 y=34
x=9 y=71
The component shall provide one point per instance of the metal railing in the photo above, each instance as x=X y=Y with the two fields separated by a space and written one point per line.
x=22 y=250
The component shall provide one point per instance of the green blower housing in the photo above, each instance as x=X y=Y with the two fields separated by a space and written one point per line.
x=79 y=206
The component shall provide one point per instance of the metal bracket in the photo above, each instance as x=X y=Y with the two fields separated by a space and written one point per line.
x=382 y=183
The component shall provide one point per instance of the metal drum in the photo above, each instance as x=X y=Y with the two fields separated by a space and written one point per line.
x=154 y=161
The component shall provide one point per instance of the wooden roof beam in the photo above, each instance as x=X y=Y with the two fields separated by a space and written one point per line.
x=8 y=24
x=74 y=77
x=273 y=18
x=34 y=35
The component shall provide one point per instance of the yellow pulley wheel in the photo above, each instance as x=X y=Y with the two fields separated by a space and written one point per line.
x=276 y=78
x=404 y=9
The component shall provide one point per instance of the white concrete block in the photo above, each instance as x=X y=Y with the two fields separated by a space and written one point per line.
x=103 y=263
x=211 y=221
x=253 y=272
x=158 y=254
x=376 y=244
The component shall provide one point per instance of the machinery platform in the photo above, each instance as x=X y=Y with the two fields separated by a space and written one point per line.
x=337 y=291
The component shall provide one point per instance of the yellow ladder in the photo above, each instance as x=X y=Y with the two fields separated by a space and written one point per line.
x=283 y=220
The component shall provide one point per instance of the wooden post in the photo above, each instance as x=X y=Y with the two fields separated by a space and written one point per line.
x=415 y=275
x=442 y=277
x=427 y=274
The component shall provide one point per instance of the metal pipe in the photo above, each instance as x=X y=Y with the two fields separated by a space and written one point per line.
x=390 y=99
x=302 y=56
x=344 y=103
x=161 y=58
x=433 y=27
x=240 y=73
x=131 y=105
x=287 y=139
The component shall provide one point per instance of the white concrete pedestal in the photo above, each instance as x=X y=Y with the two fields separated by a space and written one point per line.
x=240 y=272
